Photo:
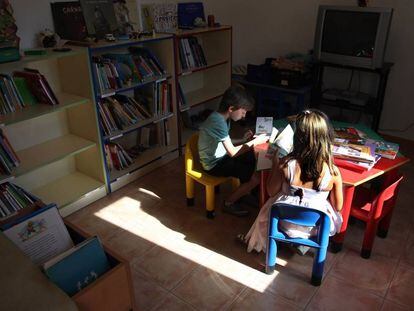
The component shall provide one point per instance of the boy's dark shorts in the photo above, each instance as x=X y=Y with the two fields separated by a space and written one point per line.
x=242 y=166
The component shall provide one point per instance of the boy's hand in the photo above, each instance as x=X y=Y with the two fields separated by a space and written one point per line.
x=261 y=139
x=248 y=135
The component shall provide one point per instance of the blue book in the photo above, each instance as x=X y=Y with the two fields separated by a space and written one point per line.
x=78 y=267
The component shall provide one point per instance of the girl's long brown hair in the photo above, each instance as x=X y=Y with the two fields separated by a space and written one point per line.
x=312 y=145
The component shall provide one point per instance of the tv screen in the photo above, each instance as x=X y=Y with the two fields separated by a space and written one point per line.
x=350 y=33
x=352 y=36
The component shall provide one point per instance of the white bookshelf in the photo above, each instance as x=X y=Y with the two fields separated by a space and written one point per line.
x=59 y=146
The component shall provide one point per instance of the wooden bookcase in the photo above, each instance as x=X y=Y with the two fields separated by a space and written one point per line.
x=59 y=146
x=112 y=290
x=207 y=83
x=163 y=151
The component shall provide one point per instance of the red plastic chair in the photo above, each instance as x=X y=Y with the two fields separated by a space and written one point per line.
x=376 y=211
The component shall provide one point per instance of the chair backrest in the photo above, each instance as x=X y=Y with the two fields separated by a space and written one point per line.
x=192 y=159
x=303 y=216
x=387 y=197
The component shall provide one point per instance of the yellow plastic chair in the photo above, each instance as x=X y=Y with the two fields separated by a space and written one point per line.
x=194 y=172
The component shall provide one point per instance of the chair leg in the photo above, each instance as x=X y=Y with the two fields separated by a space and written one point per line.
x=384 y=225
x=235 y=183
x=210 y=201
x=318 y=263
x=369 y=237
x=271 y=255
x=189 y=189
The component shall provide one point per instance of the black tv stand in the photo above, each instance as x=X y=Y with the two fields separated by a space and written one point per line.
x=372 y=105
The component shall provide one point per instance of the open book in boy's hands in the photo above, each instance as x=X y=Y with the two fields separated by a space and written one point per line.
x=282 y=142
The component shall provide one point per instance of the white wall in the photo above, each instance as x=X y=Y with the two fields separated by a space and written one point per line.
x=265 y=28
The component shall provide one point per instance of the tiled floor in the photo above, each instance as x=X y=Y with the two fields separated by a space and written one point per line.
x=182 y=261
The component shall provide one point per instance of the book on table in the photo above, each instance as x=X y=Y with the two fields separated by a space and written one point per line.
x=386 y=149
x=78 y=266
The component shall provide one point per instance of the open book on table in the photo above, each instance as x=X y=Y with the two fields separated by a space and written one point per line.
x=282 y=141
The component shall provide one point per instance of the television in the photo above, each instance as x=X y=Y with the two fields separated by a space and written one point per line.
x=353 y=36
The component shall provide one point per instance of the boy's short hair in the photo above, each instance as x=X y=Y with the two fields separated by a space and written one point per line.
x=236 y=96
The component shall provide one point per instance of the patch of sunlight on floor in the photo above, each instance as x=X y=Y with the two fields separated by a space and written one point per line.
x=126 y=213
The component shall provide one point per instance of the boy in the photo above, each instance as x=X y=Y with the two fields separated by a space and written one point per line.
x=218 y=155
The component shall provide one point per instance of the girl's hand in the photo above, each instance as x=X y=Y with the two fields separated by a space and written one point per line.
x=275 y=160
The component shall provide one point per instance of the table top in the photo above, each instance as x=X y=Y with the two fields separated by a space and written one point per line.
x=355 y=178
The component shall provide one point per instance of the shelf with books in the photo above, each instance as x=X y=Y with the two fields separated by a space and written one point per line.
x=54 y=141
x=144 y=72
x=203 y=67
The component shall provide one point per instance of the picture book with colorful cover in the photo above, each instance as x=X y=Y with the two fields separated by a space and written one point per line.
x=386 y=149
x=78 y=267
x=68 y=20
x=41 y=235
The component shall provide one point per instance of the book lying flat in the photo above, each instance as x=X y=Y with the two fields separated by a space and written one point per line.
x=78 y=267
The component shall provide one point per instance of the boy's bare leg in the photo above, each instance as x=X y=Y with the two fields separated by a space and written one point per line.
x=244 y=188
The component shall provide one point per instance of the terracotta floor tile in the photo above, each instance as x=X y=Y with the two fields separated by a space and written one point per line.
x=402 y=286
x=253 y=300
x=373 y=274
x=392 y=306
x=205 y=289
x=338 y=295
x=172 y=303
x=147 y=293
x=294 y=287
x=407 y=257
x=164 y=267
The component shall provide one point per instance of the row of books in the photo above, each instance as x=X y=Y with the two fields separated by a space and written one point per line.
x=23 y=89
x=182 y=103
x=119 y=157
x=43 y=237
x=118 y=70
x=120 y=111
x=14 y=199
x=162 y=98
x=191 y=53
x=8 y=157
x=353 y=149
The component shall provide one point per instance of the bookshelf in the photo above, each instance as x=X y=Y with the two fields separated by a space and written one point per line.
x=59 y=146
x=203 y=84
x=159 y=127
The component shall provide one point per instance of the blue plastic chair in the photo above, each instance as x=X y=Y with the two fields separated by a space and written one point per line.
x=300 y=216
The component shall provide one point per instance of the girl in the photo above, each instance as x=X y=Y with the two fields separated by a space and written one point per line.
x=306 y=177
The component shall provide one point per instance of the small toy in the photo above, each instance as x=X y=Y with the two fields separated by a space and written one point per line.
x=110 y=37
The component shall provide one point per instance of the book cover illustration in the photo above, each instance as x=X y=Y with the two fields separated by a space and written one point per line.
x=188 y=12
x=126 y=14
x=99 y=17
x=41 y=235
x=159 y=16
x=68 y=20
x=79 y=266
x=386 y=149
x=264 y=125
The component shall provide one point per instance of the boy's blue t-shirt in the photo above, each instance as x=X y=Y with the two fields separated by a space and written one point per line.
x=213 y=132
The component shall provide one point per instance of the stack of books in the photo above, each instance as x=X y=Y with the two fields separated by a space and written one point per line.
x=38 y=86
x=8 y=157
x=191 y=54
x=353 y=150
x=13 y=199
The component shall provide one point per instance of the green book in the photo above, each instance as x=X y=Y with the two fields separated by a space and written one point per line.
x=24 y=90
